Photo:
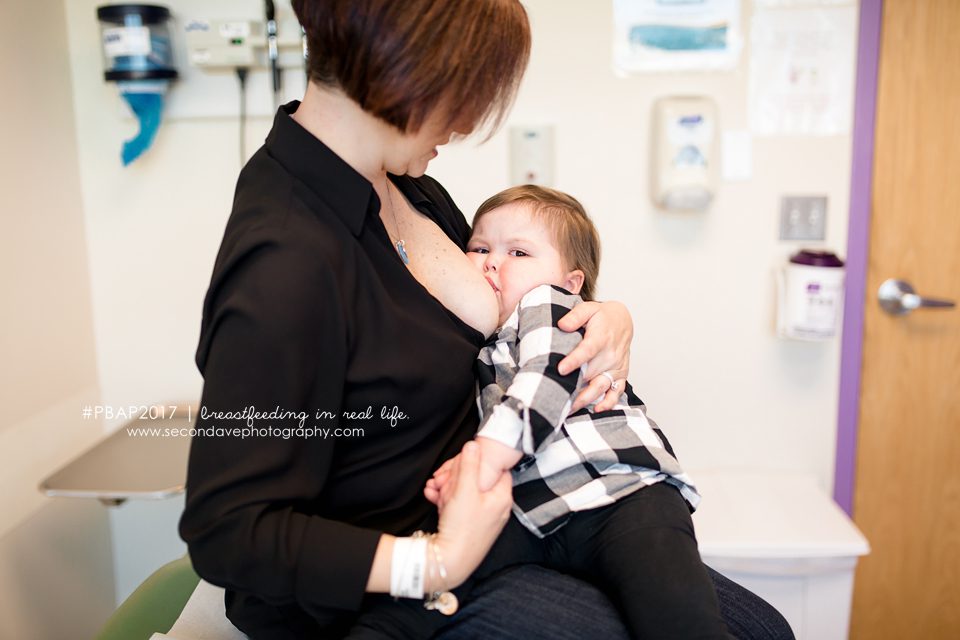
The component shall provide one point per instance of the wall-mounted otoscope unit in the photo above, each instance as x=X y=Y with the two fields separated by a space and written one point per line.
x=243 y=45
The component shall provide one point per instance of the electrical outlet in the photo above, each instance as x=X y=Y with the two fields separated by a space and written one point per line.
x=803 y=218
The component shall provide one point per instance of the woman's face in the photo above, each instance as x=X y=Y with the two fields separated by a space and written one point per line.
x=414 y=151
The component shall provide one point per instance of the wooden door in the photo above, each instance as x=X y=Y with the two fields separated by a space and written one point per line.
x=907 y=495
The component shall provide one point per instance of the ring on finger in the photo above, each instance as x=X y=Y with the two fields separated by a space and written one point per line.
x=609 y=376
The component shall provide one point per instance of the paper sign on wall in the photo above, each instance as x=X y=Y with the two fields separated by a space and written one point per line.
x=675 y=35
x=802 y=71
x=801 y=3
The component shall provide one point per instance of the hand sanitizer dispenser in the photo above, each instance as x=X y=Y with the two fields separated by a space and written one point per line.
x=685 y=153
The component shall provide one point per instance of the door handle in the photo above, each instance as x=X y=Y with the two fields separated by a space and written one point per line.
x=898 y=298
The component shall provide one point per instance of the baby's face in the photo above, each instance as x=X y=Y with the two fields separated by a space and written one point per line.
x=515 y=252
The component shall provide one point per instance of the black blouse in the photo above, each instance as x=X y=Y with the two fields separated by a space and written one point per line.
x=311 y=310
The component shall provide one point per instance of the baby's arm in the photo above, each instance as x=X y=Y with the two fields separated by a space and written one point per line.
x=495 y=458
x=539 y=398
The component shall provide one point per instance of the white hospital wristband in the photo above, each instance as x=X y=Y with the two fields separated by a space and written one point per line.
x=408 y=567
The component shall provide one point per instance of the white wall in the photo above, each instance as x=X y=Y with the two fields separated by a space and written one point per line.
x=700 y=286
x=54 y=554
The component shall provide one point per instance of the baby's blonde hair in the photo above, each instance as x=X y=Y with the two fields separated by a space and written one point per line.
x=573 y=232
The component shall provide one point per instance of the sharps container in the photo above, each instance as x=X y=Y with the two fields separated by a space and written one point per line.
x=136 y=42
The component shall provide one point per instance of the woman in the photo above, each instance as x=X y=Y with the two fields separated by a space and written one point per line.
x=341 y=300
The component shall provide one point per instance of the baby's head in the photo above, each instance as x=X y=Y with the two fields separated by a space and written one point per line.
x=528 y=236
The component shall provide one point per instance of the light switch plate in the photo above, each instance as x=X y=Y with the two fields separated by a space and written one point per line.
x=803 y=218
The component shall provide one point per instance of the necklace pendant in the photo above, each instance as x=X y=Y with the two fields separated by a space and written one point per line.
x=403 y=252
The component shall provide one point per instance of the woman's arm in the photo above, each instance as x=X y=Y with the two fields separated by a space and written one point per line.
x=469 y=524
x=605 y=348
x=273 y=336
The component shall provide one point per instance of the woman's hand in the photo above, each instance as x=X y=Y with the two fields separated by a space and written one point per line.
x=470 y=520
x=605 y=348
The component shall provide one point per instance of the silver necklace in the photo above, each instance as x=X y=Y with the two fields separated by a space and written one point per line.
x=400 y=244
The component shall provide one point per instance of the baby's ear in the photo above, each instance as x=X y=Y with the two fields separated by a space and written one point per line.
x=573 y=281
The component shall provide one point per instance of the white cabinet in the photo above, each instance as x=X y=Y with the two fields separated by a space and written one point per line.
x=784 y=539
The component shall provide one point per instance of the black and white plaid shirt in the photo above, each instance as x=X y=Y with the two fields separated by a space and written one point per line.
x=573 y=462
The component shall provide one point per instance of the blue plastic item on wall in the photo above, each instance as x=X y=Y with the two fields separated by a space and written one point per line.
x=138 y=56
x=148 y=107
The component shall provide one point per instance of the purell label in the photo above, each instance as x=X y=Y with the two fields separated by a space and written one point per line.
x=810 y=300
x=821 y=307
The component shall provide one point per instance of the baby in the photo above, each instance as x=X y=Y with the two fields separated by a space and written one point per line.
x=599 y=494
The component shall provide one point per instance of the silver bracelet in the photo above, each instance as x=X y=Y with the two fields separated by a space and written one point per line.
x=441 y=600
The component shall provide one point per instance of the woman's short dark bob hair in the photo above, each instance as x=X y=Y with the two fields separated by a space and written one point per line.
x=402 y=60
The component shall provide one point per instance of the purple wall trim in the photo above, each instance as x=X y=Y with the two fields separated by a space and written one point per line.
x=861 y=185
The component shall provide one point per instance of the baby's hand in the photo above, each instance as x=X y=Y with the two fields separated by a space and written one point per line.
x=495 y=458
x=434 y=488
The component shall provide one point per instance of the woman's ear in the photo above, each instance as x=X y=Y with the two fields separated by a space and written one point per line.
x=573 y=281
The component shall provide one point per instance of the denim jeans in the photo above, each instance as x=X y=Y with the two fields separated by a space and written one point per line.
x=529 y=602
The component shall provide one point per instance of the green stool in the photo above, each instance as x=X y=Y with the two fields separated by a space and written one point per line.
x=155 y=605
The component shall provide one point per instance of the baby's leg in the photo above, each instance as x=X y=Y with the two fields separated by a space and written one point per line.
x=514 y=546
x=643 y=553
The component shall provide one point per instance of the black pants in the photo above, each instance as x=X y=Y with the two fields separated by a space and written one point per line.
x=641 y=551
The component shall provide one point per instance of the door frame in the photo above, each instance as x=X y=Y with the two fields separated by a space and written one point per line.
x=858 y=236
